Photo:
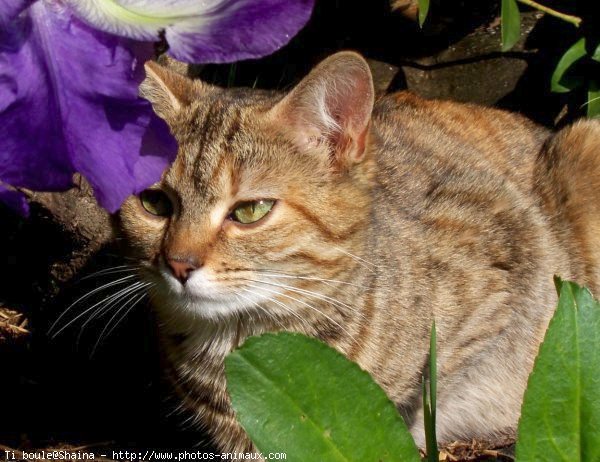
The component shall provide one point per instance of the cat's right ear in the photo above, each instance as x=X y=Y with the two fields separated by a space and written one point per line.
x=167 y=90
x=331 y=108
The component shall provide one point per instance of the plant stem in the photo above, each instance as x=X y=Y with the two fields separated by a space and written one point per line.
x=575 y=20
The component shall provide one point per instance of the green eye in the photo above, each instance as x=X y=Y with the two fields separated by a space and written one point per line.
x=251 y=212
x=156 y=202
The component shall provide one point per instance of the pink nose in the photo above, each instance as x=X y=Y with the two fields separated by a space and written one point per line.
x=182 y=268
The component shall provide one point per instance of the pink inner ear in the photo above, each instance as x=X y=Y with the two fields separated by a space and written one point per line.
x=332 y=106
x=351 y=105
x=349 y=102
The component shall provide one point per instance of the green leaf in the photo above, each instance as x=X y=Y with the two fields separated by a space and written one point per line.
x=232 y=74
x=593 y=102
x=423 y=11
x=560 y=418
x=596 y=55
x=561 y=81
x=294 y=394
x=433 y=368
x=429 y=400
x=428 y=422
x=511 y=24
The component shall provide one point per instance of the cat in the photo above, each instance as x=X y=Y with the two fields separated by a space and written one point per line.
x=359 y=220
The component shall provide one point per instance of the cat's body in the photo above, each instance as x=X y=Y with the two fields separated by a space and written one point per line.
x=426 y=210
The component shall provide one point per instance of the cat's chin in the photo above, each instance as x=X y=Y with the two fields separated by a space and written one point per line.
x=196 y=307
x=213 y=310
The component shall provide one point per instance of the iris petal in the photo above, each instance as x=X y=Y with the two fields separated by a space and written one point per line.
x=33 y=153
x=10 y=9
x=68 y=102
x=69 y=79
x=238 y=29
x=140 y=20
x=14 y=200
x=202 y=30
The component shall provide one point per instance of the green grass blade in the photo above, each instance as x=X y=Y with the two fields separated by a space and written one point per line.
x=511 y=24
x=430 y=400
x=231 y=76
x=431 y=452
x=423 y=11
x=433 y=369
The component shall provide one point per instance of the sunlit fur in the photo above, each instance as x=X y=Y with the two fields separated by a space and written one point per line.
x=441 y=210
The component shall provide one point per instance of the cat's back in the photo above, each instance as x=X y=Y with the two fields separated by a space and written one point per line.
x=461 y=225
x=447 y=137
x=456 y=203
x=489 y=188
x=459 y=180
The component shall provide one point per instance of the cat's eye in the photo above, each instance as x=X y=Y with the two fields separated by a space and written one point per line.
x=156 y=202
x=252 y=211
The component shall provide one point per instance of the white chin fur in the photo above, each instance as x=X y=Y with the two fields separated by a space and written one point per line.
x=201 y=297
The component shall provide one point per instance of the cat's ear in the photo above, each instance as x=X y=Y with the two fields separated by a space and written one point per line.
x=332 y=106
x=167 y=90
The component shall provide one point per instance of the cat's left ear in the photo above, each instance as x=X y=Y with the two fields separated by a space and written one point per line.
x=332 y=107
x=168 y=90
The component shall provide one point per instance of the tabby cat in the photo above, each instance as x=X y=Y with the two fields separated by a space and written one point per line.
x=325 y=212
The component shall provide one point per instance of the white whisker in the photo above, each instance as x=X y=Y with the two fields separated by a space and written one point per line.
x=86 y=296
x=112 y=270
x=360 y=260
x=308 y=278
x=283 y=306
x=126 y=312
x=302 y=302
x=105 y=308
x=261 y=308
x=119 y=294
x=316 y=295
x=267 y=312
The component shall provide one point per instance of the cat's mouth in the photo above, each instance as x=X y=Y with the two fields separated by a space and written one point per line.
x=201 y=295
x=197 y=288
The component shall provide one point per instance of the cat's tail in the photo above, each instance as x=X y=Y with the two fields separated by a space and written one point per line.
x=568 y=181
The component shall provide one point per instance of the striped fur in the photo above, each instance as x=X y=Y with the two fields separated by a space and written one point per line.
x=451 y=211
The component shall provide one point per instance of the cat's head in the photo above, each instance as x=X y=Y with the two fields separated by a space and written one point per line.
x=268 y=197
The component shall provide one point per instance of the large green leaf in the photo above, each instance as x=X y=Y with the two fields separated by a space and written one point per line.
x=294 y=394
x=560 y=418
x=423 y=11
x=511 y=24
x=562 y=81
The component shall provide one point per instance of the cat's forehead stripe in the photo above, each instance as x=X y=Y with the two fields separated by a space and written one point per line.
x=219 y=128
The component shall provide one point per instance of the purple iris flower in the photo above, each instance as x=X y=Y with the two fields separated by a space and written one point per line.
x=69 y=76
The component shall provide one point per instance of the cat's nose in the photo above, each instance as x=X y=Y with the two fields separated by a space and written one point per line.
x=182 y=268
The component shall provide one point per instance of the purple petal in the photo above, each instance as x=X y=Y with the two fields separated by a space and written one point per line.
x=68 y=102
x=10 y=9
x=33 y=153
x=14 y=200
x=202 y=30
x=238 y=29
